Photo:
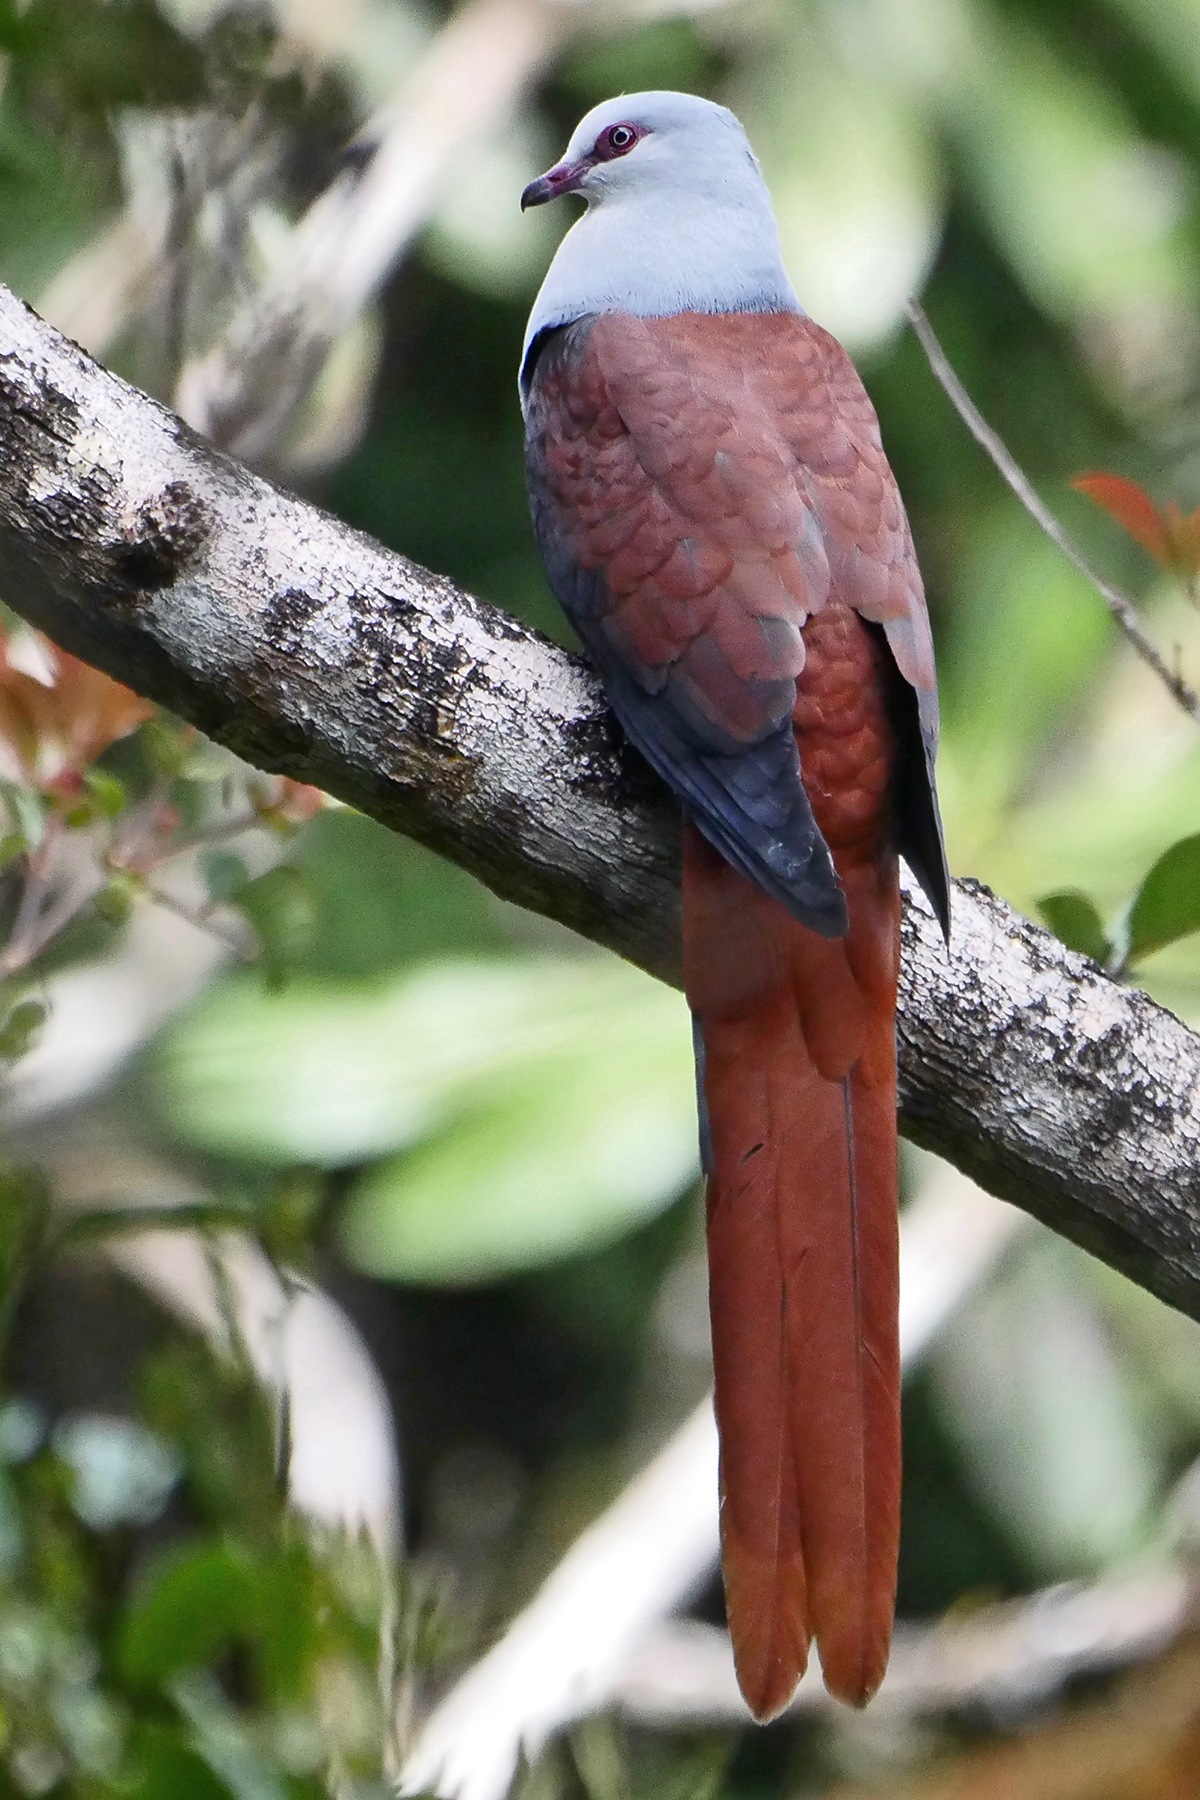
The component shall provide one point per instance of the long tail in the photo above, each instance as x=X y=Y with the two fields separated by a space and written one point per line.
x=796 y=1035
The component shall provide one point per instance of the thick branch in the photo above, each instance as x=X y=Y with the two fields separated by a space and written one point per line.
x=310 y=650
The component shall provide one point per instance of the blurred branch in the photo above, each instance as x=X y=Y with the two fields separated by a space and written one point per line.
x=28 y=934
x=1119 y=603
x=1002 y=1659
x=593 y=1631
x=311 y=651
x=342 y=1467
x=243 y=392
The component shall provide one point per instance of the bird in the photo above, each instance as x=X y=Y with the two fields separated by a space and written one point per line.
x=718 y=520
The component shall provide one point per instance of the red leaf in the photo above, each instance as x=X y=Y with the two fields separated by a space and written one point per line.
x=1133 y=509
x=1183 y=538
x=57 y=715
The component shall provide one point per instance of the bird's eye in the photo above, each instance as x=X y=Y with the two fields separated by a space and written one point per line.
x=617 y=140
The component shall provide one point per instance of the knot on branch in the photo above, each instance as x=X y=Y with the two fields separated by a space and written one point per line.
x=158 y=542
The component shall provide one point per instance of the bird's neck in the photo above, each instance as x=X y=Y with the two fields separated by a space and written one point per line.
x=655 y=258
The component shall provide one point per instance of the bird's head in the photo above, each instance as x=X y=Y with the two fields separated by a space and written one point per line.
x=678 y=218
x=663 y=141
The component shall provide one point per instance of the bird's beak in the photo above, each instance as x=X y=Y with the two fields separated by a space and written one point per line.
x=563 y=178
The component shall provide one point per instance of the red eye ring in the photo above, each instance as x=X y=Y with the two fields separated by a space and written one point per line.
x=618 y=140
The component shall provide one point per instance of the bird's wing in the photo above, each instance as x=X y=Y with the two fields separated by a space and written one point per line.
x=697 y=482
x=688 y=560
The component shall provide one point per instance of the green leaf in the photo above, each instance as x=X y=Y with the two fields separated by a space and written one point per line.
x=192 y=1607
x=25 y=1220
x=288 y=1621
x=282 y=910
x=12 y=845
x=573 y=1156
x=330 y=1075
x=387 y=903
x=1074 y=920
x=1030 y=641
x=85 y=1224
x=28 y=812
x=166 y=1769
x=226 y=1740
x=1167 y=905
x=225 y=875
x=117 y=897
x=166 y=746
x=108 y=794
x=19 y=1029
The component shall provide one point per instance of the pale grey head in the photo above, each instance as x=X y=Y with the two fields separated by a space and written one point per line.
x=678 y=216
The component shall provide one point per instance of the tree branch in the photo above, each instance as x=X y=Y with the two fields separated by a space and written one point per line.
x=310 y=650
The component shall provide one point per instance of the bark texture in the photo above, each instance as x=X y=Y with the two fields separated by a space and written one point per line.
x=312 y=651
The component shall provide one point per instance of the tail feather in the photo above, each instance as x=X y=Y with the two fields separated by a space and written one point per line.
x=799 y=1081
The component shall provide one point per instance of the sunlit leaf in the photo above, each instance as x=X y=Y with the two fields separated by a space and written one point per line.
x=1029 y=637
x=28 y=811
x=584 y=1151
x=123 y=1473
x=328 y=1075
x=1167 y=905
x=1091 y=218
x=855 y=180
x=108 y=793
x=1074 y=920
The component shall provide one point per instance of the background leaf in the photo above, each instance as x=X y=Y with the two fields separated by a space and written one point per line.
x=1074 y=920
x=331 y=1075
x=1167 y=906
x=1132 y=508
x=191 y=1608
x=574 y=1159
x=282 y=908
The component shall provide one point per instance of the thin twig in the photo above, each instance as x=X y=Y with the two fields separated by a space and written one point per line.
x=23 y=941
x=204 y=838
x=56 y=918
x=201 y=917
x=1119 y=604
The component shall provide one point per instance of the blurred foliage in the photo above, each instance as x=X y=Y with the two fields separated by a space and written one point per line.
x=477 y=1133
x=238 y=1657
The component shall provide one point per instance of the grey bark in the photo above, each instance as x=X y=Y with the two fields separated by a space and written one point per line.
x=312 y=651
